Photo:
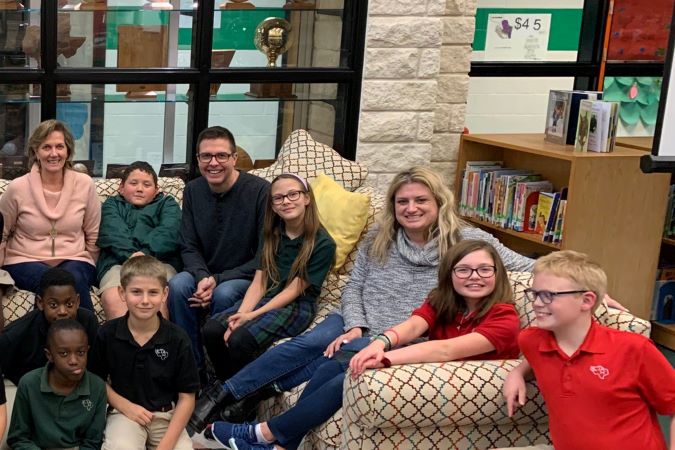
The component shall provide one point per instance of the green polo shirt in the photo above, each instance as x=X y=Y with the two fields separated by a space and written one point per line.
x=41 y=418
x=318 y=266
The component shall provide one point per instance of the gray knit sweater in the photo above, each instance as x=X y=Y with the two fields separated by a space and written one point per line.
x=377 y=297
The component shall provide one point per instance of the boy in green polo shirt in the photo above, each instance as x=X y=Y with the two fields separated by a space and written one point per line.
x=61 y=405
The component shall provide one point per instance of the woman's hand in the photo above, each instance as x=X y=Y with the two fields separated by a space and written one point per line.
x=345 y=338
x=367 y=358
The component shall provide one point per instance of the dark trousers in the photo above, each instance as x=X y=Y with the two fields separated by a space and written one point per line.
x=27 y=276
x=230 y=358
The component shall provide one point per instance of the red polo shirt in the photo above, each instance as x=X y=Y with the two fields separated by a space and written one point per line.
x=500 y=326
x=606 y=395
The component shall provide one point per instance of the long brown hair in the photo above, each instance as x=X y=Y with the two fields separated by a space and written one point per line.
x=272 y=237
x=445 y=299
x=41 y=133
x=447 y=225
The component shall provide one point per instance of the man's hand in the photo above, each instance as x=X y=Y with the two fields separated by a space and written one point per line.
x=202 y=296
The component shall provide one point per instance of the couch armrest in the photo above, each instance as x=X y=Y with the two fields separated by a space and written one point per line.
x=437 y=394
x=624 y=321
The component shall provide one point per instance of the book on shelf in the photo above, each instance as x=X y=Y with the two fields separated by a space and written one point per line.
x=510 y=198
x=520 y=196
x=663 y=309
x=563 y=113
x=559 y=222
x=669 y=226
x=598 y=121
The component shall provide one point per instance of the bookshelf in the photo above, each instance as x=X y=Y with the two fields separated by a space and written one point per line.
x=614 y=211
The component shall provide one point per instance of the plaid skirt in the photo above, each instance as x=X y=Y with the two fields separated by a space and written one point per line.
x=289 y=321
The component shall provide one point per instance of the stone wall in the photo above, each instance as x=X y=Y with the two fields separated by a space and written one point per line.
x=415 y=86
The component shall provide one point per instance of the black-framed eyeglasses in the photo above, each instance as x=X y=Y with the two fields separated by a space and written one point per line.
x=547 y=297
x=291 y=195
x=482 y=271
x=220 y=157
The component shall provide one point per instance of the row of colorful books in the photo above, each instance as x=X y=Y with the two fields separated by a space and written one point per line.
x=513 y=198
x=582 y=119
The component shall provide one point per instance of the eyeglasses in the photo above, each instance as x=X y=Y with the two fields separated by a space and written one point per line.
x=466 y=272
x=292 y=196
x=207 y=157
x=547 y=297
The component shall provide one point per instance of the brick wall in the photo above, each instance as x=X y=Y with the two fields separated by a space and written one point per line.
x=415 y=85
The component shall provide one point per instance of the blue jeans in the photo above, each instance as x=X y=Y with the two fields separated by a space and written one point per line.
x=289 y=364
x=28 y=275
x=321 y=398
x=181 y=287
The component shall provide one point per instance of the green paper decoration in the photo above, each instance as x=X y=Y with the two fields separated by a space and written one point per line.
x=644 y=106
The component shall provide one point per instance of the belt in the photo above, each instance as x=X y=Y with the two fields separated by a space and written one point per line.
x=165 y=408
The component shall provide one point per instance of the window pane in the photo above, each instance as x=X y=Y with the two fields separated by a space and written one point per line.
x=639 y=33
x=20 y=35
x=262 y=121
x=510 y=104
x=19 y=114
x=527 y=30
x=113 y=127
x=125 y=34
x=314 y=34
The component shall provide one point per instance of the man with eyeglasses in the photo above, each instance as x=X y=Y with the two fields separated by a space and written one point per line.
x=222 y=221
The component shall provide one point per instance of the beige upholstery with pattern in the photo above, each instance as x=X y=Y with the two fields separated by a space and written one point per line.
x=20 y=302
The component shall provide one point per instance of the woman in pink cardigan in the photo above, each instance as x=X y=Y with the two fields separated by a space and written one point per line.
x=51 y=215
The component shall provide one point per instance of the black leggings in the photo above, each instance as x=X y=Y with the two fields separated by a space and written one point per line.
x=227 y=360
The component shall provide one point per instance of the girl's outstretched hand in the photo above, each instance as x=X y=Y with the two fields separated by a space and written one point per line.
x=368 y=358
x=238 y=319
x=345 y=338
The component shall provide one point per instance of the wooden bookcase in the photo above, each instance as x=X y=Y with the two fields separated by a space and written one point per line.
x=615 y=212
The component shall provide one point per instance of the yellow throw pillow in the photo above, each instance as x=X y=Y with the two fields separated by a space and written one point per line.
x=343 y=214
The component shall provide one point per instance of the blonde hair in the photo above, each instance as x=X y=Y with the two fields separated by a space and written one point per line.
x=576 y=267
x=42 y=132
x=445 y=299
x=447 y=225
x=143 y=266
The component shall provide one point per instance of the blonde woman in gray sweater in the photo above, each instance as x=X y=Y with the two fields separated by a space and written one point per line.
x=396 y=268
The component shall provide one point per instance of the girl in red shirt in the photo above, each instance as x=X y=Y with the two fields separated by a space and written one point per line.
x=470 y=315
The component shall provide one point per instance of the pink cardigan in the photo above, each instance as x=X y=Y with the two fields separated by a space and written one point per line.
x=28 y=220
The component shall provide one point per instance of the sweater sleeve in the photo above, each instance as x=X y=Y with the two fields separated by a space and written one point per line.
x=92 y=221
x=163 y=238
x=353 y=311
x=22 y=426
x=190 y=251
x=9 y=209
x=513 y=261
x=114 y=235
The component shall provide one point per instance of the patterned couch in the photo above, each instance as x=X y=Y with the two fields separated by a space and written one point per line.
x=455 y=405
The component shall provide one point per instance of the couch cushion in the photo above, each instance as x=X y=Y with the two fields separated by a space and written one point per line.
x=169 y=185
x=304 y=156
x=344 y=214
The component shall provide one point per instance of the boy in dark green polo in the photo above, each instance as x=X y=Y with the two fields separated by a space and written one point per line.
x=61 y=405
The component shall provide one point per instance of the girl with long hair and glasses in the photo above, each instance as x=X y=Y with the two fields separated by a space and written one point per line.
x=295 y=256
x=469 y=315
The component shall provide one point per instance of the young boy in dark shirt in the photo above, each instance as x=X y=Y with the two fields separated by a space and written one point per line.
x=23 y=341
x=3 y=406
x=61 y=405
x=153 y=374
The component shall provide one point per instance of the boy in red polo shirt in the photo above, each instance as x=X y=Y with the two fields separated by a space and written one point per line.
x=602 y=387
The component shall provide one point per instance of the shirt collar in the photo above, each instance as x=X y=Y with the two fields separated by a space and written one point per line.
x=123 y=332
x=82 y=388
x=591 y=343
